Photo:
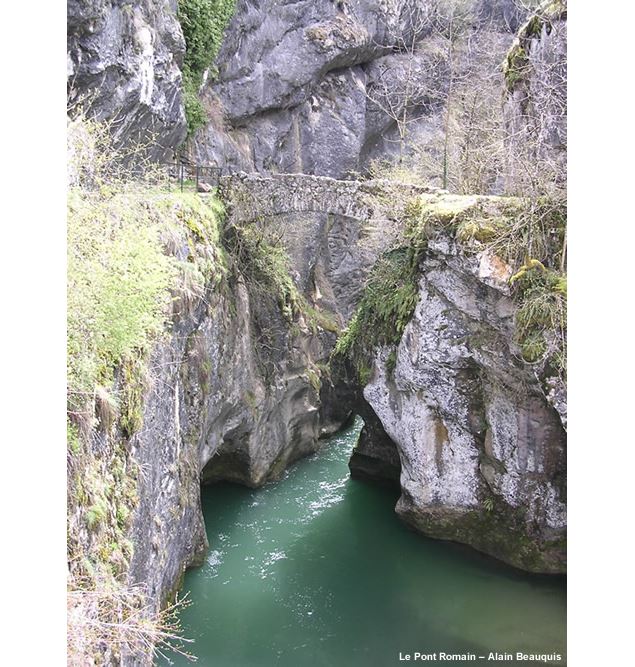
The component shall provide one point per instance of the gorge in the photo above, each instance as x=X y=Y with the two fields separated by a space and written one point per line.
x=309 y=289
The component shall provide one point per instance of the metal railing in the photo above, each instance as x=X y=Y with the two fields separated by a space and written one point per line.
x=198 y=178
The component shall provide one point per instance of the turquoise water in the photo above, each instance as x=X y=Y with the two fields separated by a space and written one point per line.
x=317 y=570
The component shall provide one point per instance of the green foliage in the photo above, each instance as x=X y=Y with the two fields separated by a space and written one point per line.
x=391 y=362
x=195 y=113
x=123 y=515
x=124 y=284
x=72 y=437
x=95 y=515
x=541 y=317
x=264 y=265
x=533 y=347
x=118 y=286
x=203 y=23
x=386 y=307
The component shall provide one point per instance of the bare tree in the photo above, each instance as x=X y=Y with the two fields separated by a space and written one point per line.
x=535 y=105
x=400 y=86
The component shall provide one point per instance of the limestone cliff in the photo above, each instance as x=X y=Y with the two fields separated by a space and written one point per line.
x=327 y=88
x=482 y=453
x=251 y=373
x=453 y=409
x=124 y=65
x=239 y=386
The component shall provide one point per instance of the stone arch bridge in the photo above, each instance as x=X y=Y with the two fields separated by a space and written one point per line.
x=333 y=231
x=254 y=196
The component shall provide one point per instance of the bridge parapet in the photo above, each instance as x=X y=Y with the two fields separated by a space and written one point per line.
x=254 y=196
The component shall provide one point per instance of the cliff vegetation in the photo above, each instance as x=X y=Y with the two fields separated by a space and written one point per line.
x=137 y=256
x=203 y=23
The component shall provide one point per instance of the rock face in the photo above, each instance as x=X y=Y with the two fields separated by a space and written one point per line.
x=223 y=405
x=293 y=81
x=225 y=410
x=240 y=391
x=242 y=385
x=461 y=423
x=328 y=88
x=482 y=452
x=325 y=88
x=535 y=106
x=124 y=64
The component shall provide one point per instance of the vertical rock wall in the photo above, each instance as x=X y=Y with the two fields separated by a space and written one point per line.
x=124 y=66
x=483 y=454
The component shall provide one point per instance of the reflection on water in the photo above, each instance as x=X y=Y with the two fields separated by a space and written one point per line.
x=316 y=570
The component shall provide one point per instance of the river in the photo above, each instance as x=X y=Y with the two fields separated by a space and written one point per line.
x=317 y=570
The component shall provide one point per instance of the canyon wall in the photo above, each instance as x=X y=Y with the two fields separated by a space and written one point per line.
x=248 y=378
x=241 y=386
x=481 y=451
x=328 y=88
x=124 y=64
x=465 y=424
x=465 y=420
x=325 y=88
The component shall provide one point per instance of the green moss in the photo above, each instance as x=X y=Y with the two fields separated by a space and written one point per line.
x=533 y=27
x=482 y=230
x=132 y=393
x=516 y=66
x=118 y=287
x=385 y=308
x=250 y=399
x=72 y=438
x=320 y=319
x=427 y=213
x=124 y=284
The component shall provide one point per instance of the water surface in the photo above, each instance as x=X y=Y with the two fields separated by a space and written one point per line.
x=317 y=570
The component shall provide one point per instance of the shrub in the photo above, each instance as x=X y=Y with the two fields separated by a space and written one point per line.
x=203 y=23
x=118 y=617
x=385 y=309
x=264 y=264
x=118 y=286
x=541 y=317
